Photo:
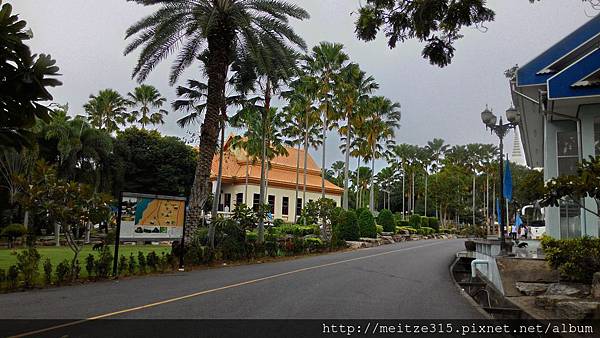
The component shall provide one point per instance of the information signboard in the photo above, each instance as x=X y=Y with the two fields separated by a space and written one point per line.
x=152 y=217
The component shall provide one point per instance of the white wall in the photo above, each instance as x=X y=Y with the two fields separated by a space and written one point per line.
x=279 y=193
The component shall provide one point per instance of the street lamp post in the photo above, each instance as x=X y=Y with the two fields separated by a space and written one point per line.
x=501 y=129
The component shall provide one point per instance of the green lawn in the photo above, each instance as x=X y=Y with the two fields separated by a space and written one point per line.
x=58 y=254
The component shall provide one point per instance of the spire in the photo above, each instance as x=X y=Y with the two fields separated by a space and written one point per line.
x=517 y=154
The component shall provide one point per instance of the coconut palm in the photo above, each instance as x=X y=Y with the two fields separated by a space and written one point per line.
x=380 y=132
x=325 y=63
x=147 y=98
x=217 y=29
x=107 y=110
x=352 y=90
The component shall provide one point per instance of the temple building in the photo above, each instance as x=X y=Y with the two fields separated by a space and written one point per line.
x=241 y=182
x=558 y=96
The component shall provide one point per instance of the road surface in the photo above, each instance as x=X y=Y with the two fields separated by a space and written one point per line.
x=404 y=280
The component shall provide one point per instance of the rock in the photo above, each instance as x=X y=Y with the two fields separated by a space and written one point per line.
x=578 y=310
x=387 y=240
x=387 y=234
x=568 y=289
x=531 y=289
x=596 y=285
x=398 y=238
x=356 y=244
x=549 y=302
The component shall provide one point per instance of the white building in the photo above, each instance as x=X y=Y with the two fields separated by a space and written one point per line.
x=558 y=97
x=281 y=177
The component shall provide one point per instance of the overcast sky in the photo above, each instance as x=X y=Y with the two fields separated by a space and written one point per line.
x=86 y=37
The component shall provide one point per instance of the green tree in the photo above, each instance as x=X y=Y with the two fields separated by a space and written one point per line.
x=437 y=23
x=217 y=30
x=107 y=110
x=352 y=89
x=325 y=64
x=25 y=81
x=144 y=161
x=149 y=101
x=380 y=127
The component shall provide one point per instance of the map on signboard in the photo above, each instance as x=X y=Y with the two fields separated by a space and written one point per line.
x=155 y=212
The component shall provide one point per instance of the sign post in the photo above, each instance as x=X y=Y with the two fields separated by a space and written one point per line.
x=181 y=244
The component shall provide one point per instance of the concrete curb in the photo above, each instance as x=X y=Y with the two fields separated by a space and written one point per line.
x=465 y=294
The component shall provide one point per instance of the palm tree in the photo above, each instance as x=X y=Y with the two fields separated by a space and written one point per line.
x=353 y=87
x=219 y=30
x=301 y=97
x=294 y=131
x=107 y=110
x=380 y=127
x=147 y=97
x=325 y=63
x=436 y=150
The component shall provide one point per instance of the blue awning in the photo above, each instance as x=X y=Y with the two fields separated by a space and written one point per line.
x=578 y=80
x=548 y=64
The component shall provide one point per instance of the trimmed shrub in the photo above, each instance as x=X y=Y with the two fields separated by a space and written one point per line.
x=313 y=244
x=576 y=259
x=405 y=229
x=348 y=227
x=131 y=265
x=47 y=271
x=12 y=277
x=434 y=223
x=28 y=262
x=152 y=261
x=103 y=265
x=63 y=272
x=12 y=232
x=359 y=212
x=142 y=262
x=379 y=229
x=424 y=221
x=90 y=262
x=427 y=231
x=2 y=277
x=415 y=221
x=366 y=224
x=386 y=220
x=403 y=224
x=122 y=268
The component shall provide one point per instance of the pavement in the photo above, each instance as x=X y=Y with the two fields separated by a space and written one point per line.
x=407 y=280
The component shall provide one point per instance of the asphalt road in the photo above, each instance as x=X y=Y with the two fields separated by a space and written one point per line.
x=399 y=281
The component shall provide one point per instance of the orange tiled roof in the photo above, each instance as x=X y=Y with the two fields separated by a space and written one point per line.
x=282 y=172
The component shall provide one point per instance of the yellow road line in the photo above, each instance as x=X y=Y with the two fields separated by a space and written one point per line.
x=196 y=294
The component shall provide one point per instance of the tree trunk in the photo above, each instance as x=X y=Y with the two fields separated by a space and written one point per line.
x=217 y=196
x=426 y=182
x=357 y=202
x=57 y=234
x=323 y=160
x=473 y=199
x=219 y=46
x=297 y=180
x=346 y=167
x=305 y=160
x=372 y=192
x=246 y=183
x=263 y=165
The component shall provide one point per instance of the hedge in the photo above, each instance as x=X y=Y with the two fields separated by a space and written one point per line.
x=386 y=220
x=366 y=224
x=415 y=221
x=348 y=229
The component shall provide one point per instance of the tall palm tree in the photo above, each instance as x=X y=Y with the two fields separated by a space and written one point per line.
x=436 y=149
x=352 y=90
x=325 y=63
x=295 y=128
x=218 y=29
x=147 y=98
x=107 y=110
x=300 y=100
x=380 y=127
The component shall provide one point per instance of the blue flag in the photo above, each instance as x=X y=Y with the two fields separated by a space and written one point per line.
x=498 y=211
x=508 y=184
